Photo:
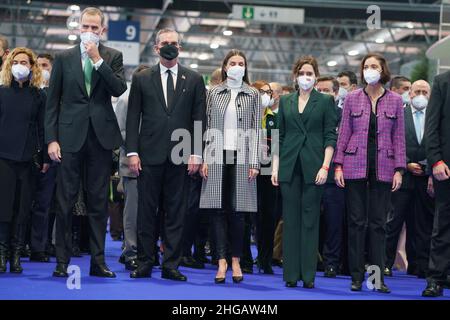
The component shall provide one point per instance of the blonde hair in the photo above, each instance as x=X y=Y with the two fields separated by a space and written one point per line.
x=36 y=74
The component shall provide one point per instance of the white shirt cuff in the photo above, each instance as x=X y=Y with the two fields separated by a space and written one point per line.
x=98 y=64
x=132 y=154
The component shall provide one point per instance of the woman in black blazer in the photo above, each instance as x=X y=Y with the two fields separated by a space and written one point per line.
x=22 y=104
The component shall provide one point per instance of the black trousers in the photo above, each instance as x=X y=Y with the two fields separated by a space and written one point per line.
x=228 y=224
x=40 y=212
x=333 y=201
x=403 y=203
x=367 y=203
x=170 y=182
x=424 y=215
x=16 y=194
x=192 y=220
x=270 y=212
x=96 y=162
x=440 y=238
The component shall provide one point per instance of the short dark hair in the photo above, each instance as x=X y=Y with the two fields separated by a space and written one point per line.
x=140 y=68
x=4 y=43
x=232 y=53
x=332 y=79
x=385 y=73
x=306 y=60
x=47 y=56
x=350 y=75
x=395 y=82
x=289 y=89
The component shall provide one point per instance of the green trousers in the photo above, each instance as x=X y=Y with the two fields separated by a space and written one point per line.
x=301 y=214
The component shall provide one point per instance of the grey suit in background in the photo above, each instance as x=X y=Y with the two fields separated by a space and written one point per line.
x=129 y=183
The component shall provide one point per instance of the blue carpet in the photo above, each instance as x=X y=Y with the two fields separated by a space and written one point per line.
x=36 y=283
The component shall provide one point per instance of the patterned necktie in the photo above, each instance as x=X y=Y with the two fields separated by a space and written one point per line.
x=418 y=125
x=170 y=89
x=88 y=67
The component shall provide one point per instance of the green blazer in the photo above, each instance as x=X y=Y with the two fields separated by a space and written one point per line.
x=306 y=135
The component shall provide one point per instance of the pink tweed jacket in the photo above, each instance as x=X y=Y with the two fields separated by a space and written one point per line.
x=351 y=149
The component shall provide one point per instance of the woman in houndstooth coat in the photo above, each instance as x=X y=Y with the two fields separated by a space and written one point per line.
x=231 y=159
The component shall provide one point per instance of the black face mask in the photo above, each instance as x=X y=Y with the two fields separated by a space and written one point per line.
x=169 y=52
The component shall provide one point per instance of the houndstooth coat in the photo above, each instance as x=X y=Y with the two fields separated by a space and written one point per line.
x=249 y=113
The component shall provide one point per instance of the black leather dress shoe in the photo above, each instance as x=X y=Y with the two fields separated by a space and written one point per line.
x=247 y=269
x=277 y=263
x=308 y=285
x=3 y=261
x=61 y=270
x=122 y=259
x=433 y=290
x=356 y=286
x=387 y=272
x=142 y=271
x=101 y=270
x=39 y=257
x=384 y=288
x=172 y=274
x=330 y=272
x=291 y=284
x=14 y=263
x=267 y=269
x=131 y=265
x=190 y=262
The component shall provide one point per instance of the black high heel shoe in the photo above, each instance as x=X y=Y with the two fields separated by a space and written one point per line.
x=237 y=279
x=221 y=280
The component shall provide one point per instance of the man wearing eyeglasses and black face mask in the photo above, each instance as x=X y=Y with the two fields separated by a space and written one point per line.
x=163 y=99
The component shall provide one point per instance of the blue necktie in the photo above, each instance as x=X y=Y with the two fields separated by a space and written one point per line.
x=418 y=124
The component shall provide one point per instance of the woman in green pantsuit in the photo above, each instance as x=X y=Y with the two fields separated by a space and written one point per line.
x=307 y=129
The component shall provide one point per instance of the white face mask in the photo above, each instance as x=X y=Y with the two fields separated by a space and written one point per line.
x=89 y=37
x=20 y=72
x=45 y=75
x=265 y=100
x=305 y=82
x=236 y=72
x=420 y=102
x=342 y=93
x=405 y=97
x=372 y=76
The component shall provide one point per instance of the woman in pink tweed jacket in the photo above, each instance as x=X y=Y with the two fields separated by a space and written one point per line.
x=370 y=157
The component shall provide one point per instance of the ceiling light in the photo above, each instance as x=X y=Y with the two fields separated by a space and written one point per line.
x=332 y=63
x=193 y=66
x=228 y=33
x=214 y=45
x=72 y=37
x=203 y=56
x=74 y=7
x=353 y=52
x=379 y=40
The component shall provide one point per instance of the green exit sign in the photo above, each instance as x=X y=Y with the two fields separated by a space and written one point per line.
x=248 y=13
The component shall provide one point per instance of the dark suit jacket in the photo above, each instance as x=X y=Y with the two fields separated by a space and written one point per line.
x=415 y=152
x=69 y=107
x=307 y=137
x=21 y=121
x=437 y=122
x=153 y=141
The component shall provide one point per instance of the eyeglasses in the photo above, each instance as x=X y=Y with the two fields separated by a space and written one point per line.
x=269 y=92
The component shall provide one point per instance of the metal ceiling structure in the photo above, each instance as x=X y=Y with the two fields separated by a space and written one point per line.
x=334 y=31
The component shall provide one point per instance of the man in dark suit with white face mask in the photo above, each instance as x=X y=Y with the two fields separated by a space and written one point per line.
x=81 y=131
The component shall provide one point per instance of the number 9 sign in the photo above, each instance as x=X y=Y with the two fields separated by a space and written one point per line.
x=131 y=32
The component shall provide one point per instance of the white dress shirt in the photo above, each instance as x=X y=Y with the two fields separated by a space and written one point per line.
x=173 y=72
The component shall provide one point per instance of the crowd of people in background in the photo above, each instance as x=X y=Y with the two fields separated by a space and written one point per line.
x=335 y=167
